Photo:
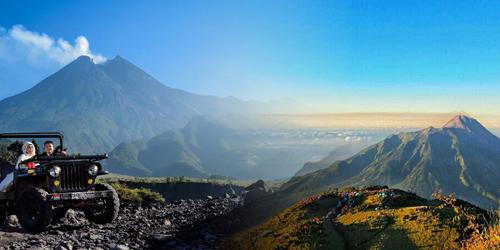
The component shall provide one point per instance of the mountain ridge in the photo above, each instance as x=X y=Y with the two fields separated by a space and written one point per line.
x=448 y=159
x=197 y=150
x=98 y=106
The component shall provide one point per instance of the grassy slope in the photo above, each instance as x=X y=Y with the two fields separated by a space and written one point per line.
x=407 y=222
x=126 y=178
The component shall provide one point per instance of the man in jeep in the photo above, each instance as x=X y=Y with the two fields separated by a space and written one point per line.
x=41 y=195
x=48 y=148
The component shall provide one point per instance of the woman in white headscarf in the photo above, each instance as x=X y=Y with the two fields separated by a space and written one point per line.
x=29 y=151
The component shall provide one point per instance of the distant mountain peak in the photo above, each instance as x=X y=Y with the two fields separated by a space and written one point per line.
x=464 y=122
x=119 y=58
x=122 y=63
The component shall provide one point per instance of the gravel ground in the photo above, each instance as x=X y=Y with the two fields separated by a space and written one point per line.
x=182 y=224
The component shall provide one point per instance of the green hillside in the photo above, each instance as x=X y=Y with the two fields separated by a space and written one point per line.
x=163 y=155
x=203 y=147
x=376 y=218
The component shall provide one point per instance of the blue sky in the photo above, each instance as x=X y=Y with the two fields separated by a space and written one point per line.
x=336 y=56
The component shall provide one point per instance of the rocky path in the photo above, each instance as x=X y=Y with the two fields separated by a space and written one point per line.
x=183 y=224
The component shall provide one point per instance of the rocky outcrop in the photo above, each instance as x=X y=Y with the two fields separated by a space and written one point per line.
x=257 y=191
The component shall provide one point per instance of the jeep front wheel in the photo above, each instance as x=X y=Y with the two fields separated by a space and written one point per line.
x=33 y=210
x=106 y=209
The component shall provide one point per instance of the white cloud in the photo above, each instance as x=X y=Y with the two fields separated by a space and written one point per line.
x=18 y=43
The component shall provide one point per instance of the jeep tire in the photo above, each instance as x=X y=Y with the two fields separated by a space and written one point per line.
x=33 y=210
x=107 y=208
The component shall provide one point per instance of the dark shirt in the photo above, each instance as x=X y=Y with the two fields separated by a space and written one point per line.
x=54 y=154
x=44 y=154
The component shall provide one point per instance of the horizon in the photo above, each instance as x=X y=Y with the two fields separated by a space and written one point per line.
x=382 y=120
x=313 y=53
x=354 y=120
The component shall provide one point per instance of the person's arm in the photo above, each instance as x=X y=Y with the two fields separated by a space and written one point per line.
x=19 y=160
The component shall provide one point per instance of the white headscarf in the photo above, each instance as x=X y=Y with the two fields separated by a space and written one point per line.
x=26 y=145
x=24 y=156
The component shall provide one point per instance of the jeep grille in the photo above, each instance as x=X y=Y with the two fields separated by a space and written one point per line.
x=73 y=176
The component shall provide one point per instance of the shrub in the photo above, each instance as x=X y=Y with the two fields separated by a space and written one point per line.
x=487 y=239
x=138 y=195
x=10 y=151
x=480 y=232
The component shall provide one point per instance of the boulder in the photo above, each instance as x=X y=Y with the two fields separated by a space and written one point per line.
x=256 y=191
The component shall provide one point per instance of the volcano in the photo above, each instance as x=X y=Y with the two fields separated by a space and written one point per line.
x=98 y=106
x=462 y=157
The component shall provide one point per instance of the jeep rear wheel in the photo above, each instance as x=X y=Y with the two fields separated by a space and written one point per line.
x=106 y=209
x=33 y=210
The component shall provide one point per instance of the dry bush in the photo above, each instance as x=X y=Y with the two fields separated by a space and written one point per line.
x=479 y=233
x=488 y=238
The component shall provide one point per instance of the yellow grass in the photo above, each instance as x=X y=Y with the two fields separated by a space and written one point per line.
x=405 y=222
x=412 y=227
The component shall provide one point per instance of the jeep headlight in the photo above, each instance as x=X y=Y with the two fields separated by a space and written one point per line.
x=93 y=170
x=55 y=171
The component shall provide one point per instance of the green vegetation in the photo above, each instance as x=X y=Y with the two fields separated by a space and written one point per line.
x=138 y=195
x=215 y=180
x=175 y=188
x=172 y=180
x=9 y=151
x=203 y=146
x=367 y=219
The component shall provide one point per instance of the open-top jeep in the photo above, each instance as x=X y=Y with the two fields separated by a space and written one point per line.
x=43 y=194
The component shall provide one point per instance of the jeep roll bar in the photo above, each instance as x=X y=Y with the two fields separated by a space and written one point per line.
x=65 y=158
x=56 y=135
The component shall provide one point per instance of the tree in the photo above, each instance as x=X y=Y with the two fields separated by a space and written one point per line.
x=10 y=152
